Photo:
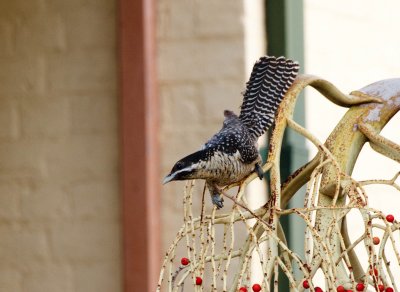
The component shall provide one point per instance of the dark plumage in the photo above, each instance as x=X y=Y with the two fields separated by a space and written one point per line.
x=232 y=154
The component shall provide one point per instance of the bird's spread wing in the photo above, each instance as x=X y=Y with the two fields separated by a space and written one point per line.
x=270 y=79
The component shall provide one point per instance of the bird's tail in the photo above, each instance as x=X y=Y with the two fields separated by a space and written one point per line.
x=269 y=81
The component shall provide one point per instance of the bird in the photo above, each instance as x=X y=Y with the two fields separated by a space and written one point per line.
x=232 y=153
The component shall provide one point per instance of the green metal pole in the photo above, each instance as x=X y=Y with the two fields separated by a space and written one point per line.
x=285 y=36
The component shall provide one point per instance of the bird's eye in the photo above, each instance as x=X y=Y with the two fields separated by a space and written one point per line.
x=179 y=165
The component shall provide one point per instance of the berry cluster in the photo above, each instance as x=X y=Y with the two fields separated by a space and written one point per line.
x=340 y=288
x=255 y=288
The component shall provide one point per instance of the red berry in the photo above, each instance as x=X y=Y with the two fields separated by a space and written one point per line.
x=199 y=281
x=243 y=289
x=376 y=240
x=349 y=290
x=390 y=218
x=374 y=271
x=381 y=288
x=306 y=284
x=389 y=289
x=360 y=287
x=318 y=289
x=185 y=261
x=256 y=288
x=340 y=289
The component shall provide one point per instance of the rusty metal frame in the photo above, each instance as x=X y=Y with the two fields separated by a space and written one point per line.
x=331 y=194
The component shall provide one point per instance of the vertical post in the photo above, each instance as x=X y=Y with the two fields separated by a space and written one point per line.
x=140 y=150
x=286 y=37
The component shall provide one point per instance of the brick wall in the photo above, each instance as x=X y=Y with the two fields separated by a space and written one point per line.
x=59 y=199
x=201 y=73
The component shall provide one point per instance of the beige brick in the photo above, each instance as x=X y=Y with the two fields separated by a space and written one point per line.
x=20 y=8
x=7 y=31
x=180 y=142
x=99 y=277
x=22 y=160
x=86 y=110
x=219 y=96
x=172 y=212
x=32 y=33
x=70 y=7
x=176 y=19
x=32 y=245
x=10 y=280
x=174 y=202
x=181 y=104
x=21 y=75
x=96 y=199
x=10 y=197
x=77 y=158
x=219 y=18
x=45 y=202
x=22 y=245
x=85 y=241
x=59 y=203
x=203 y=60
x=9 y=119
x=45 y=117
x=49 y=278
x=82 y=71
x=82 y=25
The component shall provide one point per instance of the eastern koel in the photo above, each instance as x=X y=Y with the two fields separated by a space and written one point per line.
x=232 y=153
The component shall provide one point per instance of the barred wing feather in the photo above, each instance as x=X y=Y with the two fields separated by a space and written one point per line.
x=269 y=81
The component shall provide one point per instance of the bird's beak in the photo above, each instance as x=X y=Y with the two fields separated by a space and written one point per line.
x=168 y=178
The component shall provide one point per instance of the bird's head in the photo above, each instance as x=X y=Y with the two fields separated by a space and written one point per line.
x=187 y=168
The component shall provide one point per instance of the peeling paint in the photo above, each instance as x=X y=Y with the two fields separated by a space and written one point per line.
x=374 y=114
x=388 y=90
x=384 y=89
x=394 y=101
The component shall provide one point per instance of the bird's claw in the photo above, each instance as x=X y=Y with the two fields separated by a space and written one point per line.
x=217 y=200
x=258 y=169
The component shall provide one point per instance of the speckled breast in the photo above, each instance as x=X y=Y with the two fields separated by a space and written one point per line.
x=224 y=169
